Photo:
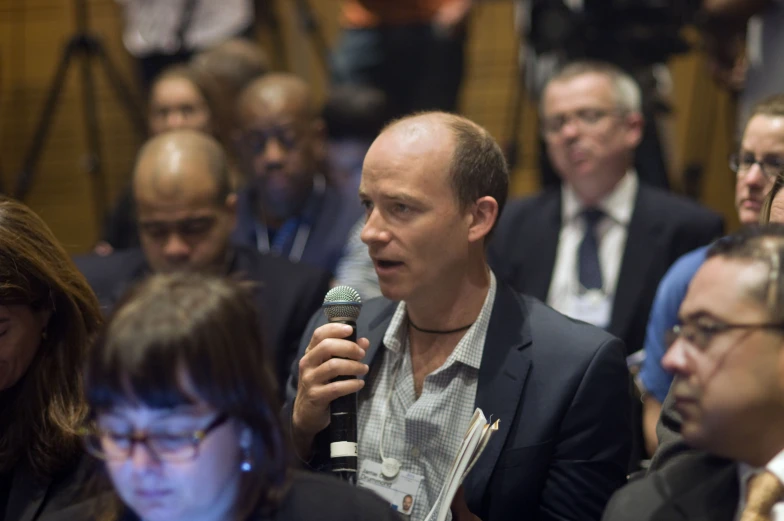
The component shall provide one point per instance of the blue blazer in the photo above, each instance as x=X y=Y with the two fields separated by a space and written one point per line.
x=560 y=389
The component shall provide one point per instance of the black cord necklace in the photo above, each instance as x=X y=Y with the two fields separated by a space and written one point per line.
x=438 y=331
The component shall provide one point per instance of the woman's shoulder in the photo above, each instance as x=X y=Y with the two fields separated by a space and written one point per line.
x=328 y=498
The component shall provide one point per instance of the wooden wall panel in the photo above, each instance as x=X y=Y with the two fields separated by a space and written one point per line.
x=32 y=33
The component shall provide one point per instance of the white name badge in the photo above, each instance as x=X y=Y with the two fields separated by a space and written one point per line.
x=400 y=491
x=592 y=306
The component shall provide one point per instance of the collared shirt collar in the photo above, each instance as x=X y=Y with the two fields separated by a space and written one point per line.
x=746 y=471
x=396 y=336
x=618 y=204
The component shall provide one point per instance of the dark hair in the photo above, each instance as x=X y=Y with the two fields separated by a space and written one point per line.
x=200 y=81
x=764 y=244
x=354 y=111
x=40 y=421
x=206 y=327
x=233 y=64
x=478 y=165
x=767 y=204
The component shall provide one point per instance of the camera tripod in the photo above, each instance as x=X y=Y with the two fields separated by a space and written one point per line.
x=86 y=47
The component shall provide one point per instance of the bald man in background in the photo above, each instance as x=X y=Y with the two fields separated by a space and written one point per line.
x=287 y=208
x=186 y=210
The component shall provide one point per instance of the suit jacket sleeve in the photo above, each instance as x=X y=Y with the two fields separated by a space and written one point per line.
x=320 y=457
x=591 y=454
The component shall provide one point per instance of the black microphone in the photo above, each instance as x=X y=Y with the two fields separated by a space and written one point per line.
x=342 y=305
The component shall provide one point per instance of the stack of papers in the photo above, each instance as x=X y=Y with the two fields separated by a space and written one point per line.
x=474 y=442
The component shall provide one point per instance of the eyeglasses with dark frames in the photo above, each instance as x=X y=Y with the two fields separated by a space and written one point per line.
x=108 y=445
x=701 y=335
x=741 y=164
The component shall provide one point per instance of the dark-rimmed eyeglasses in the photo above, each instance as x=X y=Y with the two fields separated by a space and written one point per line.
x=584 y=118
x=701 y=335
x=109 y=445
x=741 y=164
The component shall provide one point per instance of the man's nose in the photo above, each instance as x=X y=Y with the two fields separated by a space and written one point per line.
x=176 y=247
x=375 y=228
x=274 y=151
x=174 y=120
x=675 y=359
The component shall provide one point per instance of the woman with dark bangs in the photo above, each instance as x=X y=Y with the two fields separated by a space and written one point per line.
x=184 y=415
x=48 y=317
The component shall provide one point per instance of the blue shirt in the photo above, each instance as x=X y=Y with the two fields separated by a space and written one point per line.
x=664 y=315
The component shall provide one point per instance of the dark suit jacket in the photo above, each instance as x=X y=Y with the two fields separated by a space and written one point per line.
x=59 y=498
x=698 y=487
x=287 y=296
x=336 y=213
x=560 y=390
x=311 y=496
x=663 y=227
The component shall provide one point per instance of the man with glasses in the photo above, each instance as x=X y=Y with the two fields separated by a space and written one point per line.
x=596 y=248
x=287 y=209
x=728 y=358
x=756 y=164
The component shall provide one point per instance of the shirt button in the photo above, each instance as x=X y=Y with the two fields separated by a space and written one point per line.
x=415 y=452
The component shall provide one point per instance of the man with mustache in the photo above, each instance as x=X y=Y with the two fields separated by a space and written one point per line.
x=728 y=360
x=756 y=164
x=596 y=247
x=287 y=208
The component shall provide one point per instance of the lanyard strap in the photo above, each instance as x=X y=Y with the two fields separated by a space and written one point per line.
x=302 y=223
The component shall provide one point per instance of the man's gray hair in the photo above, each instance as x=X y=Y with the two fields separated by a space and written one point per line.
x=628 y=96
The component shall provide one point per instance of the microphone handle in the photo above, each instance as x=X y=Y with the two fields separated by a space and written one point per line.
x=343 y=426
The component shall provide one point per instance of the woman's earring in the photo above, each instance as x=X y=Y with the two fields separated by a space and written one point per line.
x=246 y=465
x=245 y=442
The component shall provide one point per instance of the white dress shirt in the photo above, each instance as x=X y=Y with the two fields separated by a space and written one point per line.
x=151 y=25
x=424 y=433
x=745 y=472
x=611 y=233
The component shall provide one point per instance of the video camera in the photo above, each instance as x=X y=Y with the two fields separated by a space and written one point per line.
x=628 y=33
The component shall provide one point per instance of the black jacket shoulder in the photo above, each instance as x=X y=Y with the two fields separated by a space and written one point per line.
x=316 y=496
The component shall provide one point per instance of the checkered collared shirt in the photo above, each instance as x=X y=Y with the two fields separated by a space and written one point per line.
x=423 y=434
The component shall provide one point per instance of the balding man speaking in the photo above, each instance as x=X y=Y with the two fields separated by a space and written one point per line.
x=186 y=211
x=288 y=209
x=448 y=337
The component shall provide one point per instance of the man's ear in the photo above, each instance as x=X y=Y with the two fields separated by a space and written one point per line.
x=483 y=214
x=230 y=205
x=635 y=125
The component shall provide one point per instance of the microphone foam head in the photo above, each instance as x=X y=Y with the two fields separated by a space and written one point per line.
x=342 y=302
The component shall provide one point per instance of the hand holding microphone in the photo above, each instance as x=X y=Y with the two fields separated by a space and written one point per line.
x=328 y=380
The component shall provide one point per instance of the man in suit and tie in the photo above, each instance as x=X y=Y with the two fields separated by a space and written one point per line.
x=729 y=364
x=185 y=209
x=596 y=247
x=448 y=337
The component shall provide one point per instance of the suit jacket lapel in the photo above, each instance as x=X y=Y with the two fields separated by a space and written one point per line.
x=376 y=329
x=641 y=247
x=542 y=243
x=502 y=376
x=27 y=494
x=715 y=498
